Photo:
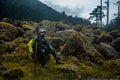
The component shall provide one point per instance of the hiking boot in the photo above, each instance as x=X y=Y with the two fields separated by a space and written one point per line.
x=59 y=62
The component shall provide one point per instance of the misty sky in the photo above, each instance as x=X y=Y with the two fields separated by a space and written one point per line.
x=80 y=8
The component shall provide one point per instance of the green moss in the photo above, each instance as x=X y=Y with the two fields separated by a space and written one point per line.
x=8 y=30
x=112 y=66
x=7 y=47
x=116 y=44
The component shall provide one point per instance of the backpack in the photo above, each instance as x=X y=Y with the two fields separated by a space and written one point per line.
x=29 y=45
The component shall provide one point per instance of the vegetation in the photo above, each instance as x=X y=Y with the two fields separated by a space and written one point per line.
x=114 y=24
x=36 y=11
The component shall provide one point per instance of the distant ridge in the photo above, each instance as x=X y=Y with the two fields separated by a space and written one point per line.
x=36 y=11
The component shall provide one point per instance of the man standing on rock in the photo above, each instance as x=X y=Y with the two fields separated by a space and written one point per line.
x=42 y=49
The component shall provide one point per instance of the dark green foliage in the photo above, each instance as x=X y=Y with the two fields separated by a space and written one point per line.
x=116 y=44
x=114 y=24
x=35 y=11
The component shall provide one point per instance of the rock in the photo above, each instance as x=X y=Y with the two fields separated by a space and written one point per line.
x=78 y=28
x=60 y=26
x=7 y=47
x=113 y=66
x=20 y=32
x=7 y=20
x=115 y=33
x=1 y=78
x=13 y=74
x=116 y=44
x=18 y=41
x=2 y=69
x=49 y=26
x=97 y=31
x=64 y=33
x=80 y=47
x=21 y=52
x=4 y=38
x=56 y=42
x=8 y=30
x=68 y=68
x=88 y=32
x=27 y=27
x=107 y=51
x=104 y=37
x=18 y=23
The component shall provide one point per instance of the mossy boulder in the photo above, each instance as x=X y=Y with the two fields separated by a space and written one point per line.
x=116 y=44
x=68 y=68
x=113 y=66
x=18 y=23
x=2 y=69
x=20 y=32
x=11 y=46
x=21 y=52
x=115 y=33
x=3 y=38
x=7 y=20
x=1 y=78
x=104 y=37
x=64 y=33
x=49 y=26
x=8 y=30
x=60 y=26
x=27 y=27
x=7 y=47
x=18 y=41
x=78 y=28
x=88 y=32
x=79 y=46
x=13 y=74
x=56 y=42
x=107 y=51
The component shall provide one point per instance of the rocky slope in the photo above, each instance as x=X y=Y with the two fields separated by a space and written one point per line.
x=88 y=51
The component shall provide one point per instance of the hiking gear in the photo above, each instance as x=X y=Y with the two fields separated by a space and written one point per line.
x=30 y=49
x=43 y=50
x=42 y=30
x=35 y=60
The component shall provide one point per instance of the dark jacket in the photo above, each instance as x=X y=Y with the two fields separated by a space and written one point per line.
x=43 y=47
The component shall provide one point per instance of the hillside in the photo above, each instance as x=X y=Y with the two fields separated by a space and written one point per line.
x=34 y=10
x=89 y=52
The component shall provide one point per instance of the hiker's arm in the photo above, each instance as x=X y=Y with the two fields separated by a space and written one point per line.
x=52 y=50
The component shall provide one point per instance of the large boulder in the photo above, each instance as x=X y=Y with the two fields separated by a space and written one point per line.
x=2 y=69
x=79 y=46
x=89 y=33
x=13 y=74
x=7 y=20
x=11 y=46
x=56 y=42
x=115 y=33
x=116 y=44
x=20 y=31
x=104 y=37
x=113 y=66
x=7 y=47
x=78 y=27
x=7 y=30
x=107 y=51
x=64 y=33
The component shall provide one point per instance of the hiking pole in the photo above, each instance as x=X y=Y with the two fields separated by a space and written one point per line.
x=35 y=59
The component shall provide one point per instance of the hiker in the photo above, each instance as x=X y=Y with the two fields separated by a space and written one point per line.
x=43 y=49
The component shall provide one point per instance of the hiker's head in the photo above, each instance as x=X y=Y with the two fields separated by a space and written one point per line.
x=42 y=32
